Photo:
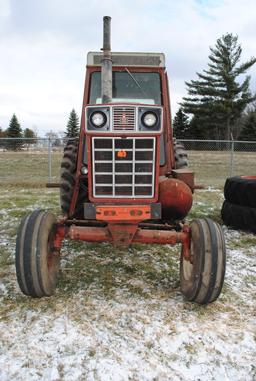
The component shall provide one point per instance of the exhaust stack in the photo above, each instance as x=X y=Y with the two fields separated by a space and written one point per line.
x=106 y=63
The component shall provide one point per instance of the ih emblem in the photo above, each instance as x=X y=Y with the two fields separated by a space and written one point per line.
x=123 y=119
x=122 y=153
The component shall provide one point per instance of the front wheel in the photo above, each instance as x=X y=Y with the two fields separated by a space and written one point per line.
x=202 y=276
x=37 y=264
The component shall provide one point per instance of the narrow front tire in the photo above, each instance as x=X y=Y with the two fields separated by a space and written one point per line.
x=202 y=276
x=37 y=265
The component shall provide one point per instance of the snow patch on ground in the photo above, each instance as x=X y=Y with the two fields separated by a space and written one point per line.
x=124 y=324
x=139 y=342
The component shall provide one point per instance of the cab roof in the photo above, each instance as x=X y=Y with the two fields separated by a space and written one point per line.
x=128 y=59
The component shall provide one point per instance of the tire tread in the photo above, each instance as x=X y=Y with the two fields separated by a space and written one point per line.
x=206 y=280
x=67 y=181
x=31 y=247
x=240 y=191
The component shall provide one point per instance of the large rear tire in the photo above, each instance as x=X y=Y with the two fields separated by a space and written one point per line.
x=202 y=280
x=239 y=217
x=67 y=181
x=37 y=265
x=241 y=190
x=180 y=154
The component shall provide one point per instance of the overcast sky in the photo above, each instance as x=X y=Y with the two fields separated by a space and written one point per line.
x=43 y=47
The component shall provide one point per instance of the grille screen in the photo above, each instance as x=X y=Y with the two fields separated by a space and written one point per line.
x=123 y=168
x=123 y=118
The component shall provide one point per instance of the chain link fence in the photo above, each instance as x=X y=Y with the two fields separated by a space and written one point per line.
x=30 y=162
x=215 y=160
x=35 y=162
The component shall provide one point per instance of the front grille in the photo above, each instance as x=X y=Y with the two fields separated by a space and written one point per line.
x=123 y=167
x=123 y=118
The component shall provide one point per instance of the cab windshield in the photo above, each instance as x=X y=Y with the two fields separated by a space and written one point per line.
x=129 y=87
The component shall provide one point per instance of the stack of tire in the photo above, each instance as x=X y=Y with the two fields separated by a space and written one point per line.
x=239 y=207
x=180 y=154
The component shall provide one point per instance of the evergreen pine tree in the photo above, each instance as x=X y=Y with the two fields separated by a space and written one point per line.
x=217 y=99
x=180 y=125
x=249 y=128
x=30 y=137
x=3 y=134
x=14 y=131
x=195 y=129
x=73 y=125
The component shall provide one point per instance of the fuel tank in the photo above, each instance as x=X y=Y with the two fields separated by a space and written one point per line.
x=175 y=197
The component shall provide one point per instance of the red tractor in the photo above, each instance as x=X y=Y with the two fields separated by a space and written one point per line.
x=124 y=180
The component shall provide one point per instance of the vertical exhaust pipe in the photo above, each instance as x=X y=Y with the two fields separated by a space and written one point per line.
x=106 y=63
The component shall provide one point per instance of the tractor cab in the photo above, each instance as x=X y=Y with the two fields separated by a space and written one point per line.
x=123 y=136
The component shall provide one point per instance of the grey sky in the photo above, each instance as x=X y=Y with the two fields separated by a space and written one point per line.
x=43 y=47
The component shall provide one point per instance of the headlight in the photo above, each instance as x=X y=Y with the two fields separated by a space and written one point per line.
x=98 y=119
x=149 y=119
x=84 y=170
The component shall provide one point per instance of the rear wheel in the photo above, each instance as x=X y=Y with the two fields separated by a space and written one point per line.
x=202 y=278
x=37 y=265
x=180 y=154
x=241 y=190
x=67 y=181
x=239 y=217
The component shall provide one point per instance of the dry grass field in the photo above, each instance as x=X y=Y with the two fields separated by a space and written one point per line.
x=119 y=314
x=30 y=168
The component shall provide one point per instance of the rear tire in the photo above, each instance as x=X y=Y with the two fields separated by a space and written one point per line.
x=67 y=181
x=239 y=217
x=180 y=154
x=241 y=190
x=37 y=266
x=202 y=280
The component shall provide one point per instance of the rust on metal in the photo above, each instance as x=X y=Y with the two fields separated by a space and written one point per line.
x=122 y=234
x=58 y=238
x=85 y=222
x=185 y=249
x=158 y=226
x=130 y=233
x=90 y=234
x=159 y=237
x=175 y=197
x=186 y=175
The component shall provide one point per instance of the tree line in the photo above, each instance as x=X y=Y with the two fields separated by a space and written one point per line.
x=219 y=104
x=14 y=138
x=15 y=131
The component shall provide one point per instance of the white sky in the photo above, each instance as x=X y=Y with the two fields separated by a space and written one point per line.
x=43 y=47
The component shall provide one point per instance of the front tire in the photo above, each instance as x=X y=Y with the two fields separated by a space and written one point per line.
x=37 y=266
x=202 y=280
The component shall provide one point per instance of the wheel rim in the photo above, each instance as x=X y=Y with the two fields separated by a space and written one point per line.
x=51 y=258
x=249 y=177
x=187 y=265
